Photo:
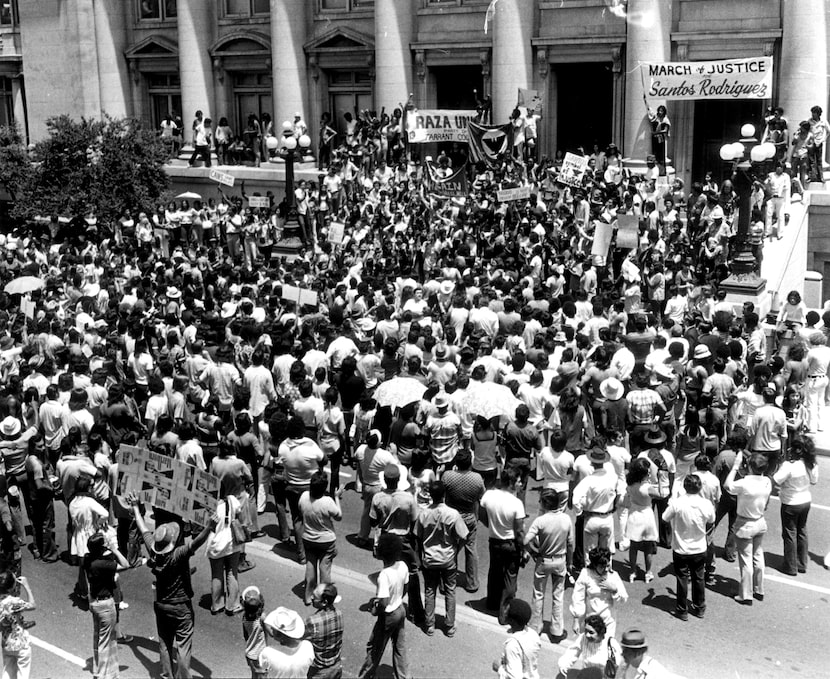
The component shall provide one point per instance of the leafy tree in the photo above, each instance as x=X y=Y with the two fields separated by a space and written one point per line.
x=112 y=165
x=14 y=161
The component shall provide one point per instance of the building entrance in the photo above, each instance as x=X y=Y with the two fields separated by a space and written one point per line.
x=584 y=106
x=718 y=122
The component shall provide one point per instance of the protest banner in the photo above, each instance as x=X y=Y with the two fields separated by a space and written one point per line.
x=166 y=483
x=446 y=181
x=531 y=100
x=602 y=241
x=725 y=79
x=573 y=170
x=222 y=177
x=337 y=231
x=519 y=193
x=431 y=125
x=259 y=201
x=628 y=231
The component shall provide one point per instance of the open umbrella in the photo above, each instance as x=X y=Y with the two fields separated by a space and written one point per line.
x=489 y=400
x=189 y=195
x=24 y=284
x=399 y=391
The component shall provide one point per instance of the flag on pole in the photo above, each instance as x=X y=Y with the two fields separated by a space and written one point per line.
x=489 y=14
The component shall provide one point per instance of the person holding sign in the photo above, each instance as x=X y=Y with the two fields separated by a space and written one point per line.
x=174 y=591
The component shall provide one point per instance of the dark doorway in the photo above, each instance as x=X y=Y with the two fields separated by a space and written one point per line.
x=584 y=106
x=718 y=122
x=454 y=86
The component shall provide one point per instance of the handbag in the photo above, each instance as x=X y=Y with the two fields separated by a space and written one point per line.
x=240 y=532
x=223 y=538
x=610 y=664
x=15 y=638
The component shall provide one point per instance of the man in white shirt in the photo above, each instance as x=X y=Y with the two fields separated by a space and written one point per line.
x=202 y=140
x=818 y=361
x=689 y=516
x=505 y=515
x=595 y=496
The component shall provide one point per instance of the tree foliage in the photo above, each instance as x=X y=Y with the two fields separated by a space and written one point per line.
x=111 y=164
x=14 y=161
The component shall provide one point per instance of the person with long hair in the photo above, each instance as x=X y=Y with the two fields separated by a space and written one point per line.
x=794 y=478
x=86 y=514
x=690 y=443
x=101 y=563
x=319 y=511
x=592 y=649
x=596 y=591
x=641 y=527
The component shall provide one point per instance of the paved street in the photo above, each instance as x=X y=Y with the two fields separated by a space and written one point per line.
x=733 y=641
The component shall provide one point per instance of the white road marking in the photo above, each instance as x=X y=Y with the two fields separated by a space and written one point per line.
x=795 y=583
x=66 y=655
x=813 y=505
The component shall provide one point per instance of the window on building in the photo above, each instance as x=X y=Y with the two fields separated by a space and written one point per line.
x=6 y=102
x=455 y=3
x=345 y=5
x=8 y=12
x=247 y=7
x=157 y=10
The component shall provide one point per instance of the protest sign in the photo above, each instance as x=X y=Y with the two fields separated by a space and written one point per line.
x=531 y=100
x=519 y=193
x=726 y=79
x=573 y=170
x=166 y=483
x=602 y=241
x=222 y=177
x=337 y=231
x=431 y=125
x=259 y=201
x=628 y=231
x=301 y=296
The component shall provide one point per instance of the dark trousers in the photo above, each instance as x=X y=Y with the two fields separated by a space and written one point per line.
x=129 y=539
x=43 y=524
x=663 y=527
x=278 y=489
x=727 y=506
x=815 y=155
x=502 y=576
x=292 y=494
x=433 y=578
x=204 y=152
x=579 y=544
x=690 y=567
x=175 y=629
x=388 y=626
x=794 y=532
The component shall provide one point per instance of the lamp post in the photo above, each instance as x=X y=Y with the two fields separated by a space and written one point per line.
x=745 y=283
x=289 y=147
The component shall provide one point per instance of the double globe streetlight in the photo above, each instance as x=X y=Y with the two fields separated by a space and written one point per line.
x=744 y=172
x=290 y=149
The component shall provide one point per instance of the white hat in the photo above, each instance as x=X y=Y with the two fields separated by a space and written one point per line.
x=611 y=388
x=446 y=287
x=10 y=426
x=286 y=622
x=228 y=310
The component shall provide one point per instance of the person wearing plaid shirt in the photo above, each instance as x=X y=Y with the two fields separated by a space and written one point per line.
x=645 y=408
x=324 y=629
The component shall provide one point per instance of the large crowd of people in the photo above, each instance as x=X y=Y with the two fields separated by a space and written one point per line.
x=644 y=404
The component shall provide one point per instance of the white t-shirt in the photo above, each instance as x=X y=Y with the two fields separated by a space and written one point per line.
x=502 y=509
x=280 y=664
x=556 y=468
x=392 y=583
x=794 y=480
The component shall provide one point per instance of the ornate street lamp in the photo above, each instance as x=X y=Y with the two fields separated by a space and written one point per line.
x=291 y=150
x=745 y=282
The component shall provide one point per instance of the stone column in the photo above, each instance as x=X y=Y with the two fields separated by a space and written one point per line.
x=19 y=111
x=649 y=39
x=289 y=32
x=803 y=75
x=394 y=26
x=113 y=74
x=512 y=28
x=196 y=26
